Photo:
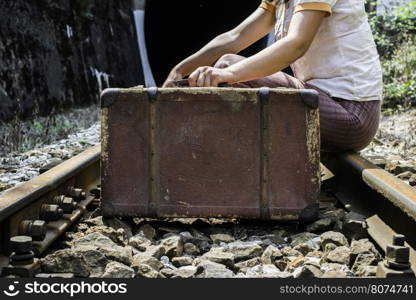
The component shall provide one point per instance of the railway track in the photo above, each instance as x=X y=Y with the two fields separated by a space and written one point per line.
x=45 y=207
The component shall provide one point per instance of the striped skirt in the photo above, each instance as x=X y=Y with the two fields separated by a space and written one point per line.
x=345 y=124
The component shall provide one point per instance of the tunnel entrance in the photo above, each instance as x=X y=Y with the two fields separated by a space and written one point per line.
x=177 y=29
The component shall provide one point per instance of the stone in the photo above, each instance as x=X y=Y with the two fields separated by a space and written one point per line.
x=55 y=275
x=186 y=236
x=185 y=272
x=118 y=270
x=97 y=241
x=303 y=248
x=167 y=272
x=117 y=236
x=397 y=168
x=315 y=253
x=5 y=186
x=314 y=261
x=329 y=247
x=285 y=261
x=243 y=250
x=182 y=261
x=360 y=247
x=173 y=246
x=340 y=255
x=301 y=238
x=364 y=259
x=333 y=237
x=412 y=180
x=156 y=251
x=191 y=249
x=334 y=274
x=320 y=225
x=97 y=221
x=145 y=271
x=279 y=236
x=270 y=255
x=244 y=265
x=95 y=261
x=288 y=251
x=140 y=242
x=336 y=268
x=266 y=271
x=200 y=240
x=117 y=224
x=222 y=237
x=147 y=231
x=298 y=262
x=405 y=175
x=209 y=269
x=218 y=255
x=65 y=261
x=366 y=271
x=147 y=260
x=307 y=271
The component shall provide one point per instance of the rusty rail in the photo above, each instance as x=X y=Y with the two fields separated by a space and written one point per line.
x=47 y=205
x=387 y=202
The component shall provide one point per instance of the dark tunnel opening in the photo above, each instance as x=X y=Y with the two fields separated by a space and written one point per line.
x=177 y=29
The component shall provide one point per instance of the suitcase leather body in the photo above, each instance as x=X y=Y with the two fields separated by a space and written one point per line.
x=210 y=152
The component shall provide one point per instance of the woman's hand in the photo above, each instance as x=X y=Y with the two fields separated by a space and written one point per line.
x=175 y=74
x=209 y=76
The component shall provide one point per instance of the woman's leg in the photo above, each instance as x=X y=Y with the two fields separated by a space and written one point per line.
x=344 y=124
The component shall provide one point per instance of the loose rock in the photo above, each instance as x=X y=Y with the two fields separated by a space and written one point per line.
x=209 y=269
x=97 y=241
x=321 y=225
x=139 y=242
x=340 y=255
x=243 y=250
x=307 y=271
x=191 y=249
x=65 y=261
x=145 y=271
x=243 y=266
x=182 y=261
x=301 y=238
x=118 y=270
x=333 y=237
x=147 y=231
x=173 y=246
x=147 y=260
x=185 y=272
x=266 y=271
x=218 y=255
x=222 y=237
x=270 y=255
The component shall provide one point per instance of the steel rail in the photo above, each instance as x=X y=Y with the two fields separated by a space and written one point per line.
x=16 y=198
x=388 y=203
x=26 y=202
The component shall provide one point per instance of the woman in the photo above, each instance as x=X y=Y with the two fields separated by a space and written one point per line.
x=330 y=48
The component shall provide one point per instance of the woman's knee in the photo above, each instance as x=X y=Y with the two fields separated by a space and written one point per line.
x=227 y=60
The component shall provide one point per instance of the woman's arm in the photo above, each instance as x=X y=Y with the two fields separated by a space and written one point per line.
x=257 y=25
x=303 y=28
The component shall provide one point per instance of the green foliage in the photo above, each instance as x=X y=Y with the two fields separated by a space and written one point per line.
x=395 y=38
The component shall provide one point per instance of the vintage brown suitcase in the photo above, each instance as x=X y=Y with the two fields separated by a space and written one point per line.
x=210 y=152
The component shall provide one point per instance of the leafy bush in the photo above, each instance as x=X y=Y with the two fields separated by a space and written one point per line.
x=395 y=38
